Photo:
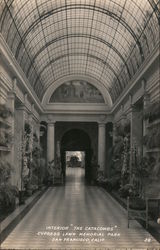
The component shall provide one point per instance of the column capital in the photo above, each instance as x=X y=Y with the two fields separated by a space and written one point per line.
x=146 y=96
x=30 y=117
x=101 y=124
x=14 y=84
x=143 y=84
x=146 y=100
x=32 y=106
x=130 y=98
x=11 y=95
x=22 y=107
x=123 y=117
x=50 y=124
x=122 y=108
x=102 y=119
x=131 y=109
x=25 y=98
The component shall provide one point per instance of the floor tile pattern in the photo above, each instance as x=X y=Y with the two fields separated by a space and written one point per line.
x=76 y=216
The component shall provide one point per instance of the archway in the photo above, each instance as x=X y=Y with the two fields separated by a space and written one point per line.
x=77 y=140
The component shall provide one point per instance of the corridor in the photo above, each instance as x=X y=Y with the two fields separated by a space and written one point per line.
x=76 y=216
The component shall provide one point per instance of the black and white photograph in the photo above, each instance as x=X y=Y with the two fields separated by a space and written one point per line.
x=79 y=124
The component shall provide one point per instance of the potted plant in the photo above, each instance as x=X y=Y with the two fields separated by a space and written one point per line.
x=127 y=190
x=5 y=112
x=113 y=183
x=8 y=192
x=26 y=171
x=141 y=174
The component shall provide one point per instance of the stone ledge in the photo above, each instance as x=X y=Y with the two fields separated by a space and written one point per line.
x=8 y=224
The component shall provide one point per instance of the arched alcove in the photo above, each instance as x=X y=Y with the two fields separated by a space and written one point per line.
x=97 y=84
x=77 y=140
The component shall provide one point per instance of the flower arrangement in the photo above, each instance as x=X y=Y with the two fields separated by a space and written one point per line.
x=125 y=163
x=8 y=192
x=5 y=133
x=127 y=190
x=26 y=155
x=121 y=153
x=5 y=171
x=139 y=172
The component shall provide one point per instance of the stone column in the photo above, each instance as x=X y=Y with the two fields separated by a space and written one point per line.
x=20 y=114
x=101 y=145
x=136 y=135
x=11 y=120
x=50 y=142
x=146 y=100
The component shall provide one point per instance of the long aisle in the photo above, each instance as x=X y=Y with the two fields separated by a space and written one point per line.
x=77 y=217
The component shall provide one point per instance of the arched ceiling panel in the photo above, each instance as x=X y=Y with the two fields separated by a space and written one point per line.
x=107 y=39
x=61 y=64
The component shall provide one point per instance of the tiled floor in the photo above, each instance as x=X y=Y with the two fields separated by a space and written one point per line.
x=76 y=216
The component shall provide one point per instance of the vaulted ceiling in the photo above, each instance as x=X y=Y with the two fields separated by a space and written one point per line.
x=104 y=39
